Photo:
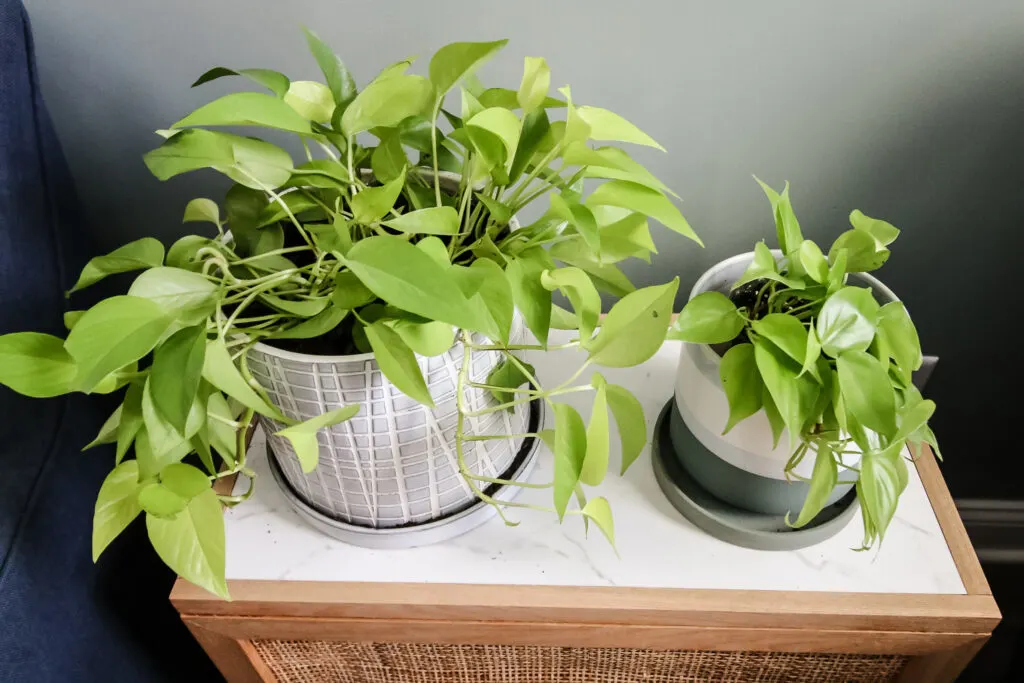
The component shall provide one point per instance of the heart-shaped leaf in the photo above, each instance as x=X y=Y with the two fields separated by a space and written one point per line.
x=637 y=197
x=36 y=365
x=867 y=391
x=635 y=327
x=742 y=383
x=823 y=481
x=570 y=449
x=455 y=61
x=192 y=543
x=143 y=253
x=535 y=84
x=708 y=318
x=247 y=109
x=595 y=462
x=398 y=362
x=176 y=372
x=434 y=220
x=846 y=321
x=607 y=125
x=116 y=505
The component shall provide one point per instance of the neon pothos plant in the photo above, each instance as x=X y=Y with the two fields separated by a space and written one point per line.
x=361 y=247
x=823 y=360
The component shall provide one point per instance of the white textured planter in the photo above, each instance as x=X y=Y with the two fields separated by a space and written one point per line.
x=704 y=408
x=394 y=463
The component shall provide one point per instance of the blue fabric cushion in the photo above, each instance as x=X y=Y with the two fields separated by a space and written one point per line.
x=62 y=618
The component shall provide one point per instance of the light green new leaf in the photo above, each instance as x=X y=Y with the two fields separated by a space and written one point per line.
x=823 y=481
x=131 y=419
x=846 y=321
x=192 y=543
x=312 y=100
x=579 y=217
x=303 y=435
x=112 y=334
x=220 y=371
x=108 y=431
x=408 y=278
x=273 y=81
x=398 y=362
x=812 y=354
x=180 y=293
x=813 y=261
x=742 y=383
x=339 y=80
x=470 y=105
x=882 y=481
x=188 y=151
x=614 y=164
x=900 y=335
x=600 y=512
x=570 y=451
x=427 y=339
x=509 y=376
x=764 y=266
x=502 y=125
x=708 y=318
x=434 y=220
x=582 y=294
x=635 y=327
x=221 y=434
x=116 y=506
x=883 y=232
x=629 y=417
x=775 y=420
x=490 y=293
x=509 y=99
x=912 y=418
x=200 y=210
x=499 y=211
x=455 y=61
x=862 y=251
x=184 y=480
x=793 y=396
x=530 y=295
x=159 y=501
x=388 y=159
x=595 y=462
x=784 y=331
x=867 y=391
x=144 y=253
x=247 y=109
x=535 y=84
x=607 y=125
x=373 y=203
x=636 y=197
x=36 y=365
x=386 y=103
x=70 y=318
x=165 y=444
x=535 y=127
x=176 y=372
x=787 y=227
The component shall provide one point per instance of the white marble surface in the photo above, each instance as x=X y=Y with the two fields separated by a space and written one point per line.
x=656 y=546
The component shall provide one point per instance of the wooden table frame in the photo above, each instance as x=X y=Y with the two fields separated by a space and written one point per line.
x=940 y=633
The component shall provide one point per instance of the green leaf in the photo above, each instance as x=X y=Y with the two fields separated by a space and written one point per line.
x=36 y=365
x=435 y=220
x=579 y=217
x=488 y=290
x=179 y=293
x=884 y=233
x=535 y=84
x=199 y=210
x=606 y=277
x=509 y=99
x=70 y=318
x=221 y=435
x=794 y=396
x=108 y=431
x=535 y=127
x=427 y=339
x=913 y=417
x=502 y=124
x=882 y=481
x=530 y=295
x=867 y=391
x=595 y=462
x=112 y=334
x=897 y=330
x=220 y=371
x=176 y=372
x=372 y=203
x=570 y=451
x=398 y=362
x=303 y=435
x=846 y=321
x=775 y=419
x=158 y=500
x=600 y=512
x=247 y=109
x=811 y=355
x=786 y=226
x=188 y=151
x=636 y=197
x=764 y=266
x=708 y=318
x=580 y=291
x=192 y=543
x=508 y=375
x=612 y=163
x=273 y=81
x=350 y=292
x=184 y=480
x=326 y=173
x=144 y=253
x=339 y=80
x=386 y=103
x=303 y=308
x=500 y=212
x=742 y=383
x=862 y=251
x=296 y=202
x=184 y=251
x=823 y=481
x=454 y=62
x=166 y=444
x=814 y=261
x=470 y=105
x=131 y=419
x=607 y=125
x=784 y=331
x=317 y=326
x=629 y=416
x=411 y=280
x=388 y=160
x=312 y=100
x=116 y=506
x=837 y=272
x=635 y=327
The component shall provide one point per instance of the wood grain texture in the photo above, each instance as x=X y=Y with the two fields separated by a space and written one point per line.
x=233 y=659
x=603 y=605
x=585 y=635
x=941 y=667
x=952 y=526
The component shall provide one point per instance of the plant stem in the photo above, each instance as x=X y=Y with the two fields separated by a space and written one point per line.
x=433 y=150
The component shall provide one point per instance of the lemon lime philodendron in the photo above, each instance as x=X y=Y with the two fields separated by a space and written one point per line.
x=823 y=360
x=363 y=241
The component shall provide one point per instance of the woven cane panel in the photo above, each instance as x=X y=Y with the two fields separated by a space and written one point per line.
x=340 y=662
x=394 y=463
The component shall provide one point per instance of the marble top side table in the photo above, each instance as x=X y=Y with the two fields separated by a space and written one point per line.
x=541 y=602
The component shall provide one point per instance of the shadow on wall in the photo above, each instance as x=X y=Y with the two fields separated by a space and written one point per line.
x=953 y=180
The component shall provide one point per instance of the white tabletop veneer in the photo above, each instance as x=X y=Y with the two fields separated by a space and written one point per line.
x=656 y=546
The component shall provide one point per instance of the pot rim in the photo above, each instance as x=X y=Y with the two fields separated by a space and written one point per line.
x=313 y=358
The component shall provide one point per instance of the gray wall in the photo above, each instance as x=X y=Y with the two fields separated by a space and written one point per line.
x=911 y=111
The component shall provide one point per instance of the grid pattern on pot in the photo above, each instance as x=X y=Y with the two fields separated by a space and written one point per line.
x=344 y=662
x=395 y=462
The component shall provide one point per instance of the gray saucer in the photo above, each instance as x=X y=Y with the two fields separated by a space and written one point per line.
x=726 y=522
x=415 y=535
